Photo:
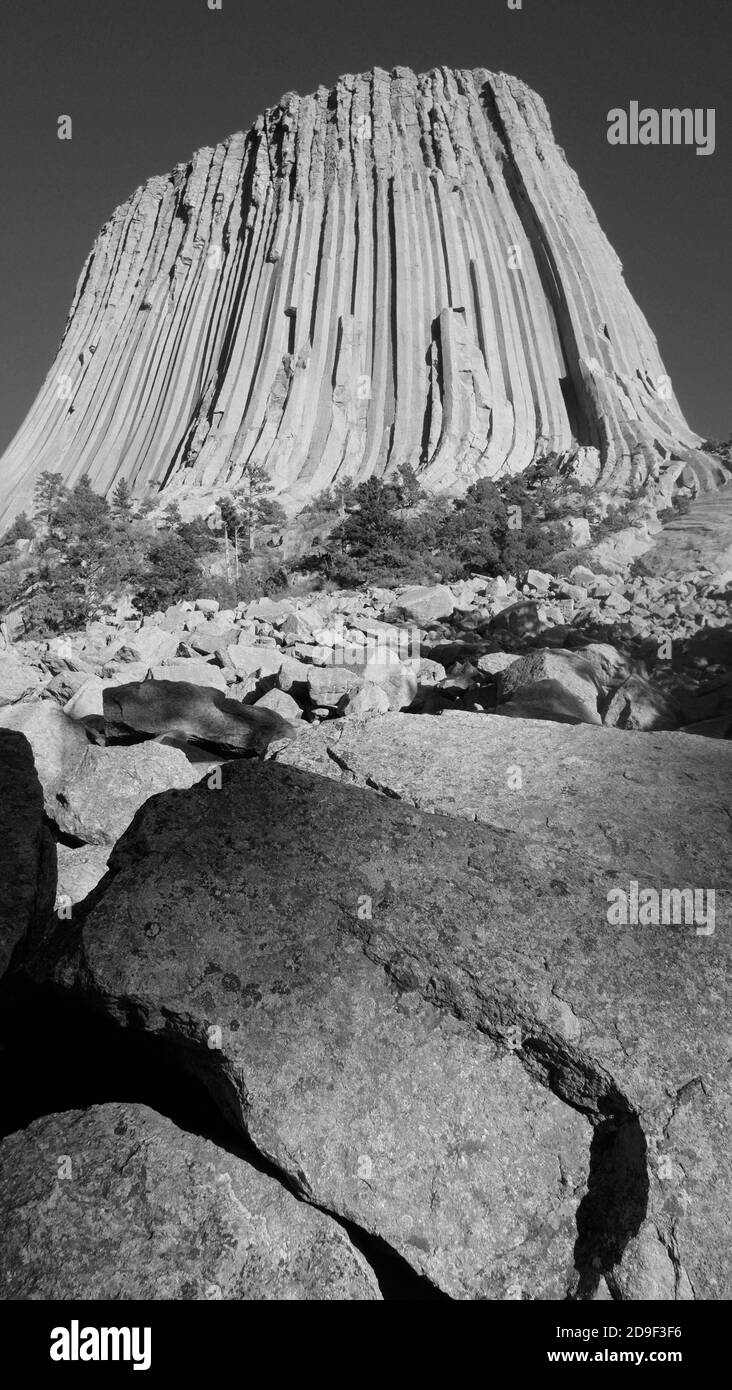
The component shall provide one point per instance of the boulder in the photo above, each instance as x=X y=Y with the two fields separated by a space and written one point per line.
x=109 y=786
x=552 y=672
x=639 y=704
x=538 y=581
x=270 y=609
x=494 y=662
x=656 y=804
x=150 y=1211
x=369 y=699
x=209 y=606
x=191 y=712
x=16 y=680
x=435 y=1030
x=59 y=747
x=398 y=680
x=328 y=686
x=578 y=531
x=520 y=621
x=249 y=661
x=302 y=624
x=360 y=1090
x=194 y=672
x=153 y=644
x=547 y=700
x=721 y=727
x=282 y=704
x=425 y=603
x=292 y=676
x=64 y=686
x=428 y=672
x=211 y=639
x=617 y=603
x=28 y=862
x=87 y=702
x=610 y=666
x=80 y=869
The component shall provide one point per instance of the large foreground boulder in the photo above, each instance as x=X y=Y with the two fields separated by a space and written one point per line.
x=116 y=1202
x=28 y=860
x=658 y=804
x=435 y=1029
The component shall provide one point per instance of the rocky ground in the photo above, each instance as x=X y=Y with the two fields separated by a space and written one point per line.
x=311 y=986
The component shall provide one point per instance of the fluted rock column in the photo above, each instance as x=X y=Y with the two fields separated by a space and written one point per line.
x=402 y=269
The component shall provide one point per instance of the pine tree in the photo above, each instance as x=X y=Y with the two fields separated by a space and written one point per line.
x=122 y=501
x=48 y=494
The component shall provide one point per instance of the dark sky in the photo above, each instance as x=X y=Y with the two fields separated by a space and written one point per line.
x=148 y=81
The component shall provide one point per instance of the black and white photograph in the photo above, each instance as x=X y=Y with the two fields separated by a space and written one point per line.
x=365 y=673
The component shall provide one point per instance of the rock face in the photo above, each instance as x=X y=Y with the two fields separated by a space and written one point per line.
x=432 y=1028
x=135 y=1188
x=656 y=805
x=28 y=865
x=402 y=269
x=192 y=712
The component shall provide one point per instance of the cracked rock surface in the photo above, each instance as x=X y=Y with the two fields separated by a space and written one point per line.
x=95 y=1203
x=660 y=805
x=431 y=1029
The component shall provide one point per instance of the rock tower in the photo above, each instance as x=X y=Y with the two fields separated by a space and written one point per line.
x=400 y=269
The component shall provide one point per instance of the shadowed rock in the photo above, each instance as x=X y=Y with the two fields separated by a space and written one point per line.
x=178 y=710
x=28 y=856
x=418 y=1021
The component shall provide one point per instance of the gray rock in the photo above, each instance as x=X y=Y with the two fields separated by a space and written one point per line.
x=194 y=672
x=493 y=662
x=109 y=786
x=376 y=1103
x=79 y=871
x=520 y=621
x=416 y=1019
x=250 y=661
x=546 y=700
x=282 y=704
x=147 y=1211
x=657 y=805
x=191 y=713
x=329 y=686
x=639 y=705
x=398 y=680
x=426 y=603
x=547 y=673
x=538 y=581
x=211 y=639
x=59 y=746
x=16 y=679
x=369 y=699
x=28 y=861
x=153 y=644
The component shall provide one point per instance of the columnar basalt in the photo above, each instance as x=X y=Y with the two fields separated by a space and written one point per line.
x=400 y=269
